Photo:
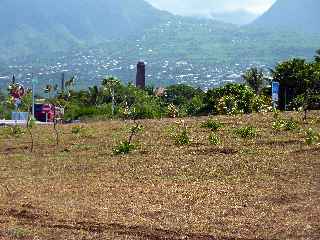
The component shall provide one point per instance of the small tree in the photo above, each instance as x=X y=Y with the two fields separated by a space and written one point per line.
x=30 y=124
x=127 y=146
x=180 y=133
x=55 y=123
x=49 y=89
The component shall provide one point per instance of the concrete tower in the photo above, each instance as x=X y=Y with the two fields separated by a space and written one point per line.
x=141 y=75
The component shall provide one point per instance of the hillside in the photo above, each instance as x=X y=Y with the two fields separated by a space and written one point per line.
x=94 y=38
x=261 y=188
x=203 y=53
x=295 y=15
x=237 y=17
x=37 y=26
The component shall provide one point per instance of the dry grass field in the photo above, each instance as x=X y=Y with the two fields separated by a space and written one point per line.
x=262 y=188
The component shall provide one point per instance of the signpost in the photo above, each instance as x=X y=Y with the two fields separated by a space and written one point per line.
x=275 y=94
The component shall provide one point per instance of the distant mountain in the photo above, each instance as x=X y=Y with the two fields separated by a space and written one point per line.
x=92 y=38
x=48 y=25
x=203 y=53
x=240 y=17
x=293 y=15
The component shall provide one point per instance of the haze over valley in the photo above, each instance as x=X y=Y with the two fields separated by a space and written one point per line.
x=95 y=38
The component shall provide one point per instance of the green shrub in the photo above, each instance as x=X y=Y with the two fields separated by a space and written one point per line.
x=77 y=130
x=228 y=105
x=214 y=139
x=230 y=99
x=278 y=125
x=195 y=107
x=285 y=125
x=276 y=113
x=246 y=132
x=127 y=146
x=180 y=134
x=18 y=233
x=77 y=111
x=312 y=137
x=124 y=148
x=15 y=131
x=183 y=138
x=261 y=103
x=212 y=124
x=291 y=125
x=172 y=111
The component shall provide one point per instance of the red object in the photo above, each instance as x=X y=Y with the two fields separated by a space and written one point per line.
x=44 y=112
x=17 y=92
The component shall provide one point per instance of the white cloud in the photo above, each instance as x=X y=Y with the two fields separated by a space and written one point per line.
x=191 y=7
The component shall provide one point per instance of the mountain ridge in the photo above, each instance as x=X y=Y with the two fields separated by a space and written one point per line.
x=47 y=25
x=292 y=15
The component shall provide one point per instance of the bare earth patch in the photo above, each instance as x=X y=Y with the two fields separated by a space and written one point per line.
x=262 y=188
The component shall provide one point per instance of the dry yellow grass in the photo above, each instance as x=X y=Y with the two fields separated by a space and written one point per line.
x=265 y=188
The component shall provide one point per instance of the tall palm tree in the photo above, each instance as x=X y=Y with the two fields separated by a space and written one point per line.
x=255 y=78
x=48 y=89
x=94 y=95
x=110 y=83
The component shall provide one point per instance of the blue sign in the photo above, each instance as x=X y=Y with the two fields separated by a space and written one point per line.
x=275 y=93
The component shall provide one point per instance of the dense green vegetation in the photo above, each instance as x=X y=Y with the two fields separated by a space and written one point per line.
x=299 y=81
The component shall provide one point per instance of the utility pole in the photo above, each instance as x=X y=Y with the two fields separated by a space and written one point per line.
x=113 y=102
x=34 y=82
x=62 y=82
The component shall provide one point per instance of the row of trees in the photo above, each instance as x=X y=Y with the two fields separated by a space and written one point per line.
x=299 y=81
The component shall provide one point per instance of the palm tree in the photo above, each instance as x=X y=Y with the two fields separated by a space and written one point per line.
x=48 y=89
x=110 y=83
x=68 y=86
x=255 y=78
x=94 y=94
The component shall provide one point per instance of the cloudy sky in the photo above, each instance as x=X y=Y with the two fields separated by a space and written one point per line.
x=192 y=7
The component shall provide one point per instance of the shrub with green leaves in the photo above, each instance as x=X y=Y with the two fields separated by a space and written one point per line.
x=261 y=103
x=278 y=125
x=172 y=111
x=212 y=124
x=127 y=146
x=276 y=113
x=285 y=125
x=77 y=129
x=18 y=233
x=228 y=105
x=180 y=134
x=312 y=137
x=124 y=148
x=247 y=132
x=15 y=131
x=214 y=139
x=12 y=131
x=291 y=125
x=183 y=138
